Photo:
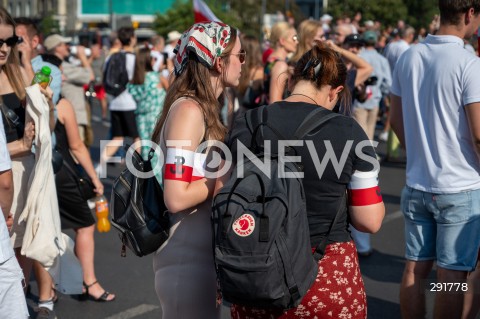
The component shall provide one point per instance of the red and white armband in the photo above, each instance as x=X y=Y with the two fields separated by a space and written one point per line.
x=363 y=189
x=184 y=165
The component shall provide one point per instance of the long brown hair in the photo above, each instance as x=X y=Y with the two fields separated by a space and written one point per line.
x=333 y=71
x=12 y=67
x=194 y=82
x=253 y=60
x=143 y=64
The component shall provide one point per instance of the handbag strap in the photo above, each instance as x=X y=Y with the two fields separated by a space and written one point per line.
x=72 y=170
x=11 y=116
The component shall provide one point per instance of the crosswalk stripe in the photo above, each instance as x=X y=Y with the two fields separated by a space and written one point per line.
x=133 y=312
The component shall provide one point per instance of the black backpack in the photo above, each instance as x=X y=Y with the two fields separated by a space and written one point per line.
x=115 y=75
x=137 y=209
x=263 y=253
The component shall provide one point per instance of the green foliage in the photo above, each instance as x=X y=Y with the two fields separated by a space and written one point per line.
x=414 y=12
x=48 y=25
x=386 y=11
x=242 y=14
x=420 y=13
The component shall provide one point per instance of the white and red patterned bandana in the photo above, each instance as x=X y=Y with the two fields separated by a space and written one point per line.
x=207 y=40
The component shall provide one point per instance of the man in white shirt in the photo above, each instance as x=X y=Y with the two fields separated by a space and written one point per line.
x=435 y=106
x=12 y=298
x=395 y=49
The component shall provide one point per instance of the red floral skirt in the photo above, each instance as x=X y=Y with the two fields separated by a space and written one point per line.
x=338 y=291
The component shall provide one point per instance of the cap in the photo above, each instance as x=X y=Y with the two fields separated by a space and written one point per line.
x=353 y=39
x=46 y=70
x=370 y=36
x=173 y=36
x=54 y=40
x=326 y=17
x=369 y=23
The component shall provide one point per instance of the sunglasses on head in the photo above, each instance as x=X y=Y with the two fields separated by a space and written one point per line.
x=241 y=55
x=13 y=40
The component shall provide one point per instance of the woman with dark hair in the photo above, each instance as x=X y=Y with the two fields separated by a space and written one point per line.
x=250 y=90
x=74 y=210
x=148 y=90
x=208 y=59
x=319 y=82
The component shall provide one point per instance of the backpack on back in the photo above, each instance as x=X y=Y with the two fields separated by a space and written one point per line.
x=263 y=253
x=137 y=209
x=115 y=75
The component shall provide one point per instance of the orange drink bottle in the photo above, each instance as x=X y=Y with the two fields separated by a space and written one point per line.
x=101 y=209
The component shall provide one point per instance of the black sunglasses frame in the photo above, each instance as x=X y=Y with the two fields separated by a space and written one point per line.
x=11 y=42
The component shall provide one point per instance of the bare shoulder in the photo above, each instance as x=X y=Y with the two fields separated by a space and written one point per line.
x=186 y=121
x=64 y=110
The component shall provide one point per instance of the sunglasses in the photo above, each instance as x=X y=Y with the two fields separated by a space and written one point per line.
x=241 y=55
x=10 y=41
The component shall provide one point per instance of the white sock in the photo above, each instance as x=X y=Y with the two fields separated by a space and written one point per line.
x=46 y=304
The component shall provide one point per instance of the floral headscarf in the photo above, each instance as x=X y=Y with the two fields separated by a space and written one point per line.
x=207 y=40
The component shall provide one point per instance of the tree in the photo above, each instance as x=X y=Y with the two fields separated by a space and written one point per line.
x=48 y=25
x=242 y=14
x=386 y=11
x=420 y=13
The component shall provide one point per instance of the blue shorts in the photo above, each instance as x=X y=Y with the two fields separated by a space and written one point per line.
x=445 y=227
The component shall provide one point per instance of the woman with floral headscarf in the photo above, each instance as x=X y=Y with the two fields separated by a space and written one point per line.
x=208 y=59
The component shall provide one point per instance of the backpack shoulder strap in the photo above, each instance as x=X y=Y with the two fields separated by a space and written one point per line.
x=315 y=119
x=320 y=249
x=255 y=119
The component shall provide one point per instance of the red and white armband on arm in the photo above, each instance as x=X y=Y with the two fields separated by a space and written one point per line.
x=363 y=189
x=184 y=165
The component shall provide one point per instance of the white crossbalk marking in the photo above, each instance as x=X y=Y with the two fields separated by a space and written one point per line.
x=133 y=312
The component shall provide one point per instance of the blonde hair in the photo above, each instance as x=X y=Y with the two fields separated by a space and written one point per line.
x=279 y=31
x=307 y=30
x=12 y=67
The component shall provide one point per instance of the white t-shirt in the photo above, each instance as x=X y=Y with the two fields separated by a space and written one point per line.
x=125 y=101
x=435 y=80
x=6 y=250
x=394 y=50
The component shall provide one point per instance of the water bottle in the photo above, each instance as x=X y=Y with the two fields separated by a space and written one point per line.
x=101 y=209
x=42 y=77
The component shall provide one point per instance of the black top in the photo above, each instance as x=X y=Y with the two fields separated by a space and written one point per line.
x=323 y=195
x=12 y=132
x=62 y=143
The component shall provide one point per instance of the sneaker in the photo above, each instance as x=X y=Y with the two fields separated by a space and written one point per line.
x=45 y=313
x=383 y=136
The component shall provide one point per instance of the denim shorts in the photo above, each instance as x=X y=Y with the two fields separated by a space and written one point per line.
x=442 y=227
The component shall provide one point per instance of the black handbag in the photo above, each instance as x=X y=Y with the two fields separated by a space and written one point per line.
x=84 y=183
x=138 y=210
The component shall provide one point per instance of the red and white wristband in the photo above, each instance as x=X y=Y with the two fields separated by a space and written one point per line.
x=363 y=189
x=184 y=165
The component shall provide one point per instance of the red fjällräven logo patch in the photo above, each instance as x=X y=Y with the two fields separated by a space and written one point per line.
x=244 y=225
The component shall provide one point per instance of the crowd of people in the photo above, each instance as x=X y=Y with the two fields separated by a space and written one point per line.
x=202 y=85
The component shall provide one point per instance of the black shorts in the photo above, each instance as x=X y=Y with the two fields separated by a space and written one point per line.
x=124 y=124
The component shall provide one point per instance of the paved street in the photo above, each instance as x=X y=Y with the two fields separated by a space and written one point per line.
x=132 y=279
